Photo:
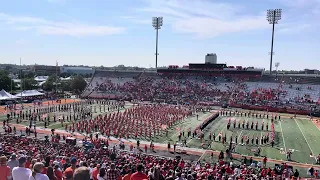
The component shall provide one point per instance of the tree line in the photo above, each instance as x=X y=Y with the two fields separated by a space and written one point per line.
x=76 y=84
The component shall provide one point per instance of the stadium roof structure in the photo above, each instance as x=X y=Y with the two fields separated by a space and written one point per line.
x=4 y=95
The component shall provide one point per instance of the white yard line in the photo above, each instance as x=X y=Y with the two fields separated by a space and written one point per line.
x=316 y=125
x=304 y=137
x=235 y=149
x=218 y=134
x=260 y=138
x=240 y=135
x=284 y=142
x=202 y=155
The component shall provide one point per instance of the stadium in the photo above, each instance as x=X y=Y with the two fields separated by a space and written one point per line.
x=201 y=113
x=207 y=120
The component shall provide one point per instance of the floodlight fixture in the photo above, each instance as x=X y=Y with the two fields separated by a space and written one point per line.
x=157 y=22
x=273 y=17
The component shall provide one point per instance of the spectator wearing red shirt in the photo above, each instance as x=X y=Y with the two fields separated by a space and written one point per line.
x=139 y=175
x=113 y=173
x=68 y=173
x=5 y=171
x=96 y=172
x=58 y=172
x=28 y=163
x=265 y=161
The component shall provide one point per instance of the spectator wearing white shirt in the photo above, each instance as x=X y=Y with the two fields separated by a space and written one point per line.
x=36 y=172
x=253 y=165
x=21 y=173
x=13 y=162
x=259 y=164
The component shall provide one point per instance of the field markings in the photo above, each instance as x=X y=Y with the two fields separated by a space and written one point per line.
x=204 y=153
x=260 y=138
x=304 y=137
x=225 y=126
x=240 y=135
x=284 y=142
x=235 y=149
x=316 y=125
x=186 y=120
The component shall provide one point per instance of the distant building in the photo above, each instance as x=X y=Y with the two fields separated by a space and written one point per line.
x=311 y=71
x=42 y=69
x=211 y=58
x=76 y=70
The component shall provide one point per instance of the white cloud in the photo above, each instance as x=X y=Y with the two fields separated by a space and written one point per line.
x=205 y=18
x=43 y=26
x=294 y=28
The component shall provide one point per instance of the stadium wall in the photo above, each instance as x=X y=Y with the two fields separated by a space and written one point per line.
x=262 y=108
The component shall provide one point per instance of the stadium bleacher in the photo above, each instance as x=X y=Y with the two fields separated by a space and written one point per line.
x=284 y=91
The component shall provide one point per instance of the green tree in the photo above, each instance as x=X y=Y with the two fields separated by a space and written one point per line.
x=65 y=85
x=78 y=84
x=29 y=83
x=6 y=82
x=48 y=86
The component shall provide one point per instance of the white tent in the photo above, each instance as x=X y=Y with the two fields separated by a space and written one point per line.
x=27 y=93
x=4 y=95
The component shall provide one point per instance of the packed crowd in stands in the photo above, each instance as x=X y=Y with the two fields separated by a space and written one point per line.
x=24 y=158
x=197 y=89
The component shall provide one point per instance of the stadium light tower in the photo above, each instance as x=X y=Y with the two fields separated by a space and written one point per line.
x=157 y=22
x=273 y=17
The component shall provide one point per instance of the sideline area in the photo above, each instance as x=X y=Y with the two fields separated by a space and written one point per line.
x=160 y=146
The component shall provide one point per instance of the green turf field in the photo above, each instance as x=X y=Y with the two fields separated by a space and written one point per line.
x=299 y=135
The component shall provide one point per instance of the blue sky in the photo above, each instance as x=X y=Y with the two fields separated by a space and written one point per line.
x=112 y=32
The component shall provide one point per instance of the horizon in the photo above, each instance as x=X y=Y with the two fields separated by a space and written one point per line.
x=109 y=33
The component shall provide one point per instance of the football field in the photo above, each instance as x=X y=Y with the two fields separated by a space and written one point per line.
x=298 y=135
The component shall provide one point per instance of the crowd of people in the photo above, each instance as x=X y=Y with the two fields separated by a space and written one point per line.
x=146 y=120
x=24 y=158
x=197 y=89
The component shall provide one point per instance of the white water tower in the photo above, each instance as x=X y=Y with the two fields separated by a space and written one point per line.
x=211 y=58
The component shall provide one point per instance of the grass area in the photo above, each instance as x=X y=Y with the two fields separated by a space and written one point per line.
x=190 y=122
x=299 y=135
